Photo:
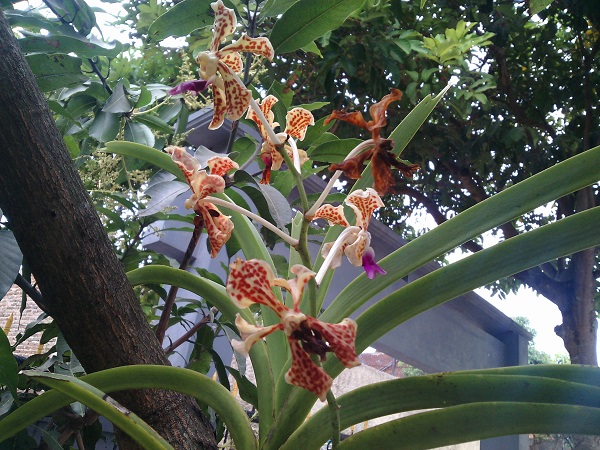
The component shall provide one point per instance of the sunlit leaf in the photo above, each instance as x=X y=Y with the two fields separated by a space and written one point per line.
x=307 y=20
x=181 y=20
x=67 y=44
x=56 y=71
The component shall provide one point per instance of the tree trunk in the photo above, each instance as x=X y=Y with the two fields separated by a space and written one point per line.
x=62 y=239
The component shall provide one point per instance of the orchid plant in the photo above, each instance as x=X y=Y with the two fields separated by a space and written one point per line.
x=296 y=346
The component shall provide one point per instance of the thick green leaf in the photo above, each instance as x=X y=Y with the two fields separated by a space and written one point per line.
x=143 y=377
x=138 y=133
x=105 y=126
x=97 y=400
x=56 y=71
x=181 y=20
x=443 y=390
x=145 y=153
x=67 y=44
x=118 y=102
x=9 y=375
x=307 y=20
x=10 y=260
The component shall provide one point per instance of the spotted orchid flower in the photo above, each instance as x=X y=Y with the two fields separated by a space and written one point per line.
x=381 y=155
x=297 y=121
x=252 y=282
x=218 y=226
x=355 y=240
x=230 y=95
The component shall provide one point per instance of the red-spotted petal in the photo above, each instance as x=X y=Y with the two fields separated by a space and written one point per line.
x=259 y=46
x=225 y=23
x=220 y=165
x=365 y=203
x=186 y=162
x=333 y=214
x=218 y=227
x=203 y=184
x=297 y=121
x=305 y=374
x=233 y=60
x=220 y=108
x=355 y=248
x=237 y=95
x=251 y=282
x=303 y=275
x=340 y=338
x=265 y=106
x=250 y=334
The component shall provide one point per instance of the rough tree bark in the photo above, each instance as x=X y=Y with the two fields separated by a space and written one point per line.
x=62 y=239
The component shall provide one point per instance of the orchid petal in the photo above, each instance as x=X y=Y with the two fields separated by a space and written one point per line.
x=333 y=214
x=297 y=121
x=258 y=46
x=354 y=118
x=366 y=203
x=220 y=165
x=305 y=374
x=369 y=264
x=250 y=334
x=218 y=226
x=233 y=60
x=265 y=106
x=204 y=184
x=303 y=275
x=340 y=338
x=378 y=110
x=250 y=282
x=186 y=162
x=237 y=95
x=195 y=86
x=224 y=26
x=354 y=251
x=220 y=108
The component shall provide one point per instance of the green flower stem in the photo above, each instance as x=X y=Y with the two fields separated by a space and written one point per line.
x=185 y=381
x=286 y=237
x=355 y=151
x=334 y=416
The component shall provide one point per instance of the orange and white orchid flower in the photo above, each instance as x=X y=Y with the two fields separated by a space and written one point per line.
x=230 y=95
x=354 y=241
x=381 y=155
x=297 y=121
x=218 y=226
x=252 y=282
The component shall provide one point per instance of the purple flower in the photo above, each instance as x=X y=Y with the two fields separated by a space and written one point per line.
x=195 y=86
x=369 y=264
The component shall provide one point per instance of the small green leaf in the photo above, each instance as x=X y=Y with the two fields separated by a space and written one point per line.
x=313 y=106
x=154 y=122
x=307 y=20
x=247 y=390
x=144 y=98
x=118 y=101
x=279 y=207
x=72 y=145
x=56 y=71
x=138 y=133
x=181 y=20
x=105 y=126
x=536 y=6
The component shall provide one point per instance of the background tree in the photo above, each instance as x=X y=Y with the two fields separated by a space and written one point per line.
x=524 y=99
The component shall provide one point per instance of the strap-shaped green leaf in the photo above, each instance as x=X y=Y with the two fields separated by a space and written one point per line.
x=466 y=423
x=78 y=390
x=185 y=381
x=444 y=390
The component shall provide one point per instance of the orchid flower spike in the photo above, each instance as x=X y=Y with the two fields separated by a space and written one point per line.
x=355 y=240
x=381 y=155
x=297 y=121
x=252 y=282
x=230 y=95
x=203 y=184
